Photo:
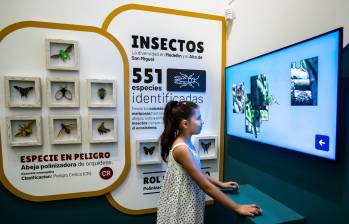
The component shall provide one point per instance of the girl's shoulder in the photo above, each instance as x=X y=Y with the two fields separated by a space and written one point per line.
x=181 y=144
x=177 y=145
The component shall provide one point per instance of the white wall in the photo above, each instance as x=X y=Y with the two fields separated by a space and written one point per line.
x=260 y=26
x=89 y=12
x=263 y=26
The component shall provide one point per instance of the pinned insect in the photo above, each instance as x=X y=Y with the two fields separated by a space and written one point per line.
x=101 y=93
x=25 y=130
x=63 y=54
x=186 y=80
x=149 y=150
x=23 y=91
x=66 y=129
x=102 y=129
x=63 y=92
x=205 y=146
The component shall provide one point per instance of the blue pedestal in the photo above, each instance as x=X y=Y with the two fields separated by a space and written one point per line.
x=273 y=211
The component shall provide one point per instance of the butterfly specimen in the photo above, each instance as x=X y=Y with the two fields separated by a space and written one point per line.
x=63 y=92
x=102 y=129
x=63 y=54
x=25 y=130
x=101 y=93
x=149 y=150
x=66 y=129
x=23 y=91
x=205 y=146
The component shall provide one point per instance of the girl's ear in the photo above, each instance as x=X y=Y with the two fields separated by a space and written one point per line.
x=184 y=124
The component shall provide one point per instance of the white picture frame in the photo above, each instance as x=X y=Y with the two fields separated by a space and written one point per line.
x=146 y=154
x=207 y=146
x=63 y=92
x=101 y=93
x=62 y=54
x=24 y=130
x=102 y=129
x=23 y=91
x=70 y=133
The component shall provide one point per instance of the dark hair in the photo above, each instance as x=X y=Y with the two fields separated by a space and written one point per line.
x=174 y=113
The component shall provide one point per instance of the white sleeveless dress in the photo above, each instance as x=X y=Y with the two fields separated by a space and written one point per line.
x=181 y=199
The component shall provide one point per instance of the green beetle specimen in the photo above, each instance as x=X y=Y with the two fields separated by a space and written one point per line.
x=63 y=54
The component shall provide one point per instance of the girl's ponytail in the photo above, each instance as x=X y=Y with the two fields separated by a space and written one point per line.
x=169 y=134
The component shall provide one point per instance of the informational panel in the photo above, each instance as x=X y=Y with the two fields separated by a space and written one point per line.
x=173 y=55
x=82 y=107
x=62 y=111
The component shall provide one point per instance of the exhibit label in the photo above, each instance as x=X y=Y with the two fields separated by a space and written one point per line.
x=171 y=57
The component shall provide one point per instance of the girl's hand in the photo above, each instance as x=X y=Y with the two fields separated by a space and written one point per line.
x=248 y=210
x=228 y=184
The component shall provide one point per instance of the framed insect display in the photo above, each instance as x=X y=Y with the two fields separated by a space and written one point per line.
x=207 y=146
x=65 y=129
x=62 y=54
x=22 y=91
x=24 y=130
x=101 y=93
x=148 y=151
x=102 y=129
x=63 y=92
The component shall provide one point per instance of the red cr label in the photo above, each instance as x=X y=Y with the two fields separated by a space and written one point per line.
x=106 y=173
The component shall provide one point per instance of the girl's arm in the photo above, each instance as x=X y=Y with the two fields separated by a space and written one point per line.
x=182 y=156
x=221 y=184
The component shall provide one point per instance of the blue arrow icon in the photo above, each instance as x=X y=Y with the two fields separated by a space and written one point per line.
x=322 y=142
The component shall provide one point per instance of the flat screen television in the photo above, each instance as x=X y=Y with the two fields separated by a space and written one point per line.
x=288 y=97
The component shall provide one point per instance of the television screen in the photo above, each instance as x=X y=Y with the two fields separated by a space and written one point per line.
x=289 y=97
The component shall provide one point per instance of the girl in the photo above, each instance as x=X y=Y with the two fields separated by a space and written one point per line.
x=182 y=197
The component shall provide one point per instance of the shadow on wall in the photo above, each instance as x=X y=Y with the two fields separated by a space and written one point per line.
x=310 y=173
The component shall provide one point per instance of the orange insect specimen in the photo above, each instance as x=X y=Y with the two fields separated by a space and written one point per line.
x=66 y=129
x=25 y=130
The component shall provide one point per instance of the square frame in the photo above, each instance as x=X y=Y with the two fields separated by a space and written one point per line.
x=99 y=134
x=57 y=54
x=148 y=157
x=95 y=86
x=54 y=90
x=14 y=96
x=211 y=146
x=19 y=121
x=58 y=133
